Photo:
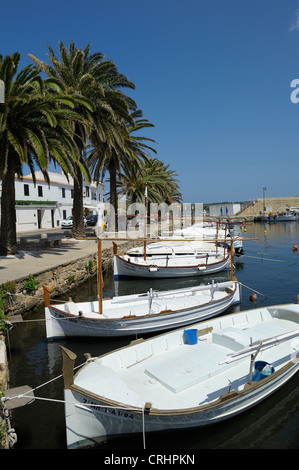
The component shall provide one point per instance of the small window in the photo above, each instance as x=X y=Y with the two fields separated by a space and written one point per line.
x=63 y=192
x=87 y=191
x=40 y=191
x=26 y=189
x=72 y=193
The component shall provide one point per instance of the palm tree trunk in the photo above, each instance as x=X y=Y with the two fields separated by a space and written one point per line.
x=113 y=190
x=8 y=236
x=78 y=230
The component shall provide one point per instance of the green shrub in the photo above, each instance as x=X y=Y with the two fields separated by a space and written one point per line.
x=9 y=286
x=71 y=278
x=89 y=265
x=3 y=317
x=30 y=283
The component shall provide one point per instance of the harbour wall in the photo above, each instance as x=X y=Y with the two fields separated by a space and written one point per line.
x=272 y=204
x=59 y=281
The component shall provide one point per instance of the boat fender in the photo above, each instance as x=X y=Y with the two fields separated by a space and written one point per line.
x=153 y=269
x=201 y=267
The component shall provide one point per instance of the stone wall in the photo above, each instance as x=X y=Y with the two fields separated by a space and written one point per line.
x=277 y=204
x=59 y=281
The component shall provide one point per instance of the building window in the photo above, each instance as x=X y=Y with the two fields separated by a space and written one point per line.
x=26 y=189
x=72 y=193
x=63 y=192
x=93 y=196
x=40 y=191
x=87 y=191
x=64 y=214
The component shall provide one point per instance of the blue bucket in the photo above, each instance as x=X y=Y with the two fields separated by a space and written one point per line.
x=191 y=336
x=262 y=370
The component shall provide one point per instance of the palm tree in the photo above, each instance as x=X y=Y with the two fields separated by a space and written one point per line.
x=161 y=182
x=131 y=155
x=36 y=125
x=93 y=77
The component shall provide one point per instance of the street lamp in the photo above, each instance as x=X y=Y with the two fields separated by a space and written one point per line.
x=264 y=189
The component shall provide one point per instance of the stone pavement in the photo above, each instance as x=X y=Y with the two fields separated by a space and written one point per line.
x=14 y=268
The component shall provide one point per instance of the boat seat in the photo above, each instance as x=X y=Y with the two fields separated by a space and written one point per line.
x=231 y=338
x=71 y=307
x=181 y=371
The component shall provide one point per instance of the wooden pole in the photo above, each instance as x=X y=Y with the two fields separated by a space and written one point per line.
x=68 y=361
x=231 y=260
x=145 y=223
x=100 y=280
x=46 y=296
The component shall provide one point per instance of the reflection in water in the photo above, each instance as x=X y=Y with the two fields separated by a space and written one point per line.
x=269 y=267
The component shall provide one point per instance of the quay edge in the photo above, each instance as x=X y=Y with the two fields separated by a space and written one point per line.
x=58 y=281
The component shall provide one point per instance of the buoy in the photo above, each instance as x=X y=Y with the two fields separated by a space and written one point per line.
x=265 y=232
x=253 y=297
x=295 y=247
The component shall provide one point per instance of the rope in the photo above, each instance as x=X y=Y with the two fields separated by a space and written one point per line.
x=143 y=429
x=270 y=259
x=38 y=298
x=253 y=290
x=79 y=405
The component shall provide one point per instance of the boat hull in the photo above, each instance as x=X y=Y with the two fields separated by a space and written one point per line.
x=168 y=383
x=61 y=324
x=154 y=269
x=101 y=421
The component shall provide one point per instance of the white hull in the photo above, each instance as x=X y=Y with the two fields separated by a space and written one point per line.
x=164 y=384
x=138 y=314
x=286 y=219
x=157 y=267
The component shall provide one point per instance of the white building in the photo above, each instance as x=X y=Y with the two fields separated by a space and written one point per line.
x=224 y=209
x=43 y=206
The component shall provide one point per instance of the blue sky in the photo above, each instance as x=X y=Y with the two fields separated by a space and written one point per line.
x=213 y=76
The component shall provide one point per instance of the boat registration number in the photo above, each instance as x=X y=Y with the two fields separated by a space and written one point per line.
x=109 y=410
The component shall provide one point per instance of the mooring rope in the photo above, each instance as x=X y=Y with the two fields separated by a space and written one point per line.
x=270 y=259
x=77 y=404
x=253 y=290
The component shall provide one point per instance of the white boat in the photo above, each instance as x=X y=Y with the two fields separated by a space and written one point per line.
x=136 y=314
x=176 y=248
x=170 y=382
x=221 y=232
x=286 y=216
x=170 y=266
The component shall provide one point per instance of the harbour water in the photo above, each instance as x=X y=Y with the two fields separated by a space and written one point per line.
x=269 y=267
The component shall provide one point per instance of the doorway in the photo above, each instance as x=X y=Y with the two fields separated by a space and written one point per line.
x=39 y=218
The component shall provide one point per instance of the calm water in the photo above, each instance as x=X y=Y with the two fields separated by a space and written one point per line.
x=269 y=267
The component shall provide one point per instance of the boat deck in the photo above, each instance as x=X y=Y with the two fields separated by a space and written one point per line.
x=178 y=260
x=171 y=374
x=115 y=308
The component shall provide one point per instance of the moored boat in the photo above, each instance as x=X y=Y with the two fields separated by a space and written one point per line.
x=287 y=216
x=170 y=266
x=137 y=314
x=170 y=382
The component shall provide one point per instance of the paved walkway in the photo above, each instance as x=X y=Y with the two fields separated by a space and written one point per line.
x=28 y=262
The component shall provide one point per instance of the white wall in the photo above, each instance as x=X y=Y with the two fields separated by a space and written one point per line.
x=46 y=206
x=232 y=209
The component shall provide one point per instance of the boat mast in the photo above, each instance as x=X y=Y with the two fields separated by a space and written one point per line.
x=145 y=222
x=100 y=280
